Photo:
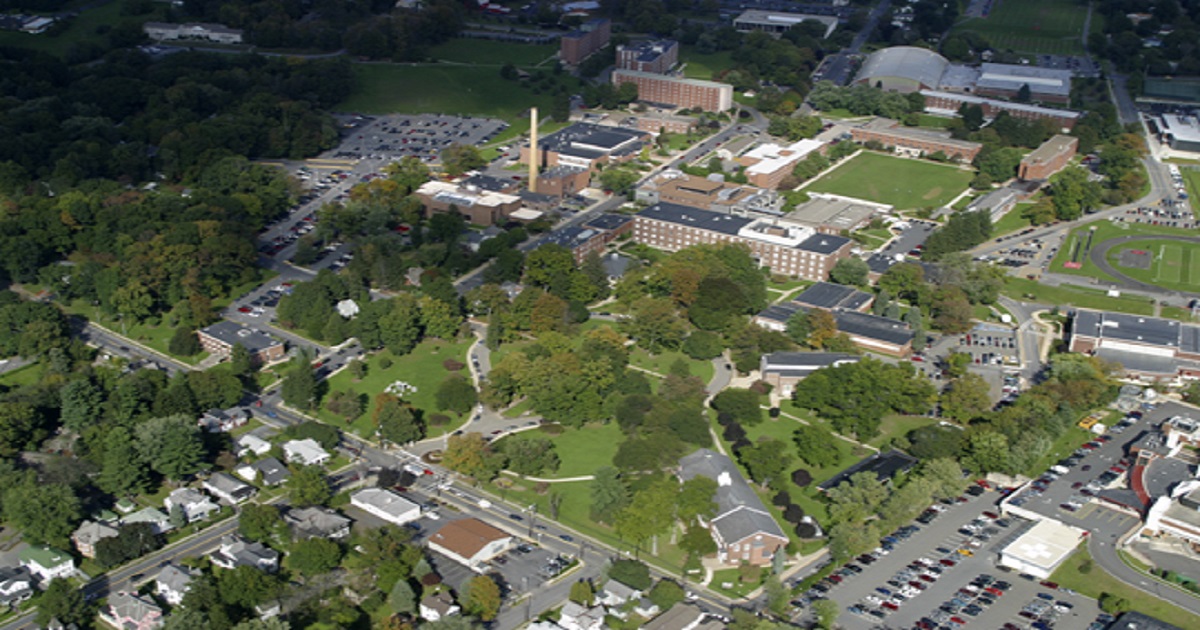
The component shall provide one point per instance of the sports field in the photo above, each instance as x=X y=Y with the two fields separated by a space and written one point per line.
x=904 y=183
x=442 y=89
x=1174 y=264
x=1033 y=26
x=493 y=53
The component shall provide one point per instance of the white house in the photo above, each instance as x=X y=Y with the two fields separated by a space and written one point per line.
x=250 y=444
x=306 y=452
x=196 y=505
x=161 y=522
x=386 y=504
x=236 y=551
x=577 y=617
x=16 y=585
x=470 y=542
x=228 y=489
x=47 y=563
x=615 y=594
x=173 y=583
x=436 y=606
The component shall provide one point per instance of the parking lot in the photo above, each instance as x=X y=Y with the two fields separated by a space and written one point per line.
x=907 y=244
x=422 y=136
x=938 y=572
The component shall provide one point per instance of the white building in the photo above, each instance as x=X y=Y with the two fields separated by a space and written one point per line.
x=47 y=563
x=195 y=505
x=1042 y=549
x=386 y=505
x=162 y=31
x=306 y=452
x=470 y=542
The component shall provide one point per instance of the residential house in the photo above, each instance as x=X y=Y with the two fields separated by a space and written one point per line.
x=684 y=616
x=269 y=471
x=386 y=505
x=161 y=522
x=578 y=617
x=236 y=551
x=130 y=611
x=742 y=527
x=470 y=542
x=317 y=522
x=228 y=489
x=196 y=506
x=437 y=606
x=616 y=594
x=224 y=420
x=173 y=583
x=306 y=452
x=90 y=533
x=250 y=444
x=16 y=585
x=47 y=563
x=645 y=608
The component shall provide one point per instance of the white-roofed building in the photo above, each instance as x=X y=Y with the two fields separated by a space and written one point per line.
x=386 y=505
x=306 y=452
x=1042 y=549
x=767 y=164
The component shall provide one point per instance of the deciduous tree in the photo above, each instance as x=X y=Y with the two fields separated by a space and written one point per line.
x=482 y=598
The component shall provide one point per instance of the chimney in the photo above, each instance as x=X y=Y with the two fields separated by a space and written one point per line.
x=534 y=151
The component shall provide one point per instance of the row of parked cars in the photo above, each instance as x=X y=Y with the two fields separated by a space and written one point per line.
x=969 y=601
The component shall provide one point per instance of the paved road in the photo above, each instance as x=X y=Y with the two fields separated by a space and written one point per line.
x=1099 y=257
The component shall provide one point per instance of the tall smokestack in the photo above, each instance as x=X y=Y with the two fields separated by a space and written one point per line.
x=534 y=152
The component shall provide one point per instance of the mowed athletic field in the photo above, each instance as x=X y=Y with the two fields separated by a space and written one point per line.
x=1033 y=26
x=904 y=183
x=441 y=89
x=1176 y=264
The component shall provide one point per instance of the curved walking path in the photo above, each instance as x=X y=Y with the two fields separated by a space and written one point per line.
x=1099 y=257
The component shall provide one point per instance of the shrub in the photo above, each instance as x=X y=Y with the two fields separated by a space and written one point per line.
x=806 y=530
x=793 y=513
x=438 y=419
x=542 y=487
x=781 y=499
x=385 y=362
x=762 y=388
x=734 y=432
x=553 y=429
x=453 y=366
x=801 y=478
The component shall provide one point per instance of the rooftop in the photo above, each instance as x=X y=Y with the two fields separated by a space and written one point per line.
x=233 y=333
x=771 y=157
x=1012 y=77
x=1134 y=328
x=870 y=326
x=803 y=363
x=909 y=62
x=774 y=18
x=829 y=296
x=740 y=513
x=588 y=140
x=1051 y=149
x=1020 y=107
x=841 y=213
x=1185 y=128
x=608 y=221
x=679 y=80
x=384 y=500
x=1046 y=544
x=1134 y=620
x=884 y=465
x=649 y=50
x=467 y=537
x=893 y=128
x=465 y=195
x=695 y=217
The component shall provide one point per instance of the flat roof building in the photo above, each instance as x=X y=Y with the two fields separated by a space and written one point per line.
x=708 y=193
x=1045 y=84
x=586 y=146
x=776 y=22
x=1181 y=133
x=654 y=56
x=947 y=103
x=1042 y=549
x=1149 y=348
x=479 y=206
x=835 y=214
x=785 y=248
x=768 y=164
x=662 y=89
x=581 y=43
x=914 y=142
x=1049 y=158
x=885 y=466
x=221 y=34
x=221 y=337
x=784 y=369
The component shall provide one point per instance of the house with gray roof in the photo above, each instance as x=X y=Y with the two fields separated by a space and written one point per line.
x=268 y=471
x=160 y=521
x=16 y=585
x=317 y=522
x=742 y=527
x=224 y=420
x=196 y=505
x=236 y=551
x=220 y=338
x=130 y=611
x=88 y=534
x=173 y=582
x=784 y=369
x=228 y=489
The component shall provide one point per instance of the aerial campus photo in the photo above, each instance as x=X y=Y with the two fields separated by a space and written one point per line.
x=587 y=314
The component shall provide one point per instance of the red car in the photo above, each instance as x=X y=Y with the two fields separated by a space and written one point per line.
x=927 y=578
x=1050 y=585
x=243 y=309
x=890 y=606
x=947 y=562
x=991 y=515
x=994 y=591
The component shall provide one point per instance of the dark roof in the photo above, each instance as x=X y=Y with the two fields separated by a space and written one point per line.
x=608 y=221
x=1134 y=620
x=803 y=363
x=884 y=465
x=234 y=333
x=829 y=296
x=870 y=326
x=879 y=263
x=823 y=243
x=1139 y=361
x=740 y=513
x=1134 y=328
x=695 y=217
x=487 y=182
x=603 y=138
x=1123 y=497
x=649 y=50
x=569 y=237
x=780 y=312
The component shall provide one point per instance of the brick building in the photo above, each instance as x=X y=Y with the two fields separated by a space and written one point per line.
x=1049 y=158
x=581 y=43
x=785 y=248
x=768 y=164
x=1006 y=80
x=742 y=528
x=592 y=236
x=948 y=103
x=478 y=205
x=221 y=337
x=709 y=96
x=1149 y=348
x=560 y=181
x=708 y=193
x=586 y=146
x=914 y=142
x=656 y=57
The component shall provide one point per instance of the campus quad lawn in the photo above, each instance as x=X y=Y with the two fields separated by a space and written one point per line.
x=704 y=66
x=492 y=53
x=1033 y=26
x=422 y=368
x=1191 y=178
x=1176 y=264
x=904 y=183
x=1103 y=231
x=661 y=363
x=444 y=89
x=582 y=451
x=1098 y=581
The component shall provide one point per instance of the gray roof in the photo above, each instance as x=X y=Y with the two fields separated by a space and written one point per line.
x=649 y=50
x=907 y=62
x=1140 y=361
x=803 y=363
x=272 y=471
x=870 y=326
x=317 y=520
x=1005 y=76
x=569 y=237
x=1152 y=331
x=1134 y=620
x=829 y=296
x=680 y=616
x=823 y=243
x=600 y=139
x=16 y=583
x=227 y=484
x=780 y=312
x=238 y=551
x=695 y=217
x=884 y=465
x=608 y=221
x=175 y=578
x=740 y=513
x=234 y=333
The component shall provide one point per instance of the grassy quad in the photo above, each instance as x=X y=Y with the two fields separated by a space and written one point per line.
x=492 y=53
x=704 y=66
x=582 y=451
x=1033 y=26
x=422 y=368
x=904 y=183
x=444 y=89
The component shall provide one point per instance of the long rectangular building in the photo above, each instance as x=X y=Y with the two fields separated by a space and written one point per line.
x=914 y=142
x=709 y=96
x=948 y=103
x=1049 y=158
x=1148 y=347
x=784 y=248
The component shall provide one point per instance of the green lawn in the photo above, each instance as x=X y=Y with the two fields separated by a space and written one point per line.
x=404 y=89
x=896 y=425
x=582 y=450
x=1176 y=264
x=704 y=66
x=1032 y=26
x=156 y=337
x=1074 y=247
x=1070 y=295
x=661 y=363
x=89 y=27
x=1096 y=581
x=732 y=577
x=492 y=53
x=1011 y=221
x=904 y=183
x=935 y=122
x=1191 y=178
x=421 y=368
x=29 y=375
